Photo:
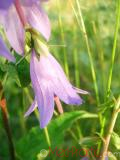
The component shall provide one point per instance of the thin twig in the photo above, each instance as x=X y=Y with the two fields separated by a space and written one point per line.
x=3 y=107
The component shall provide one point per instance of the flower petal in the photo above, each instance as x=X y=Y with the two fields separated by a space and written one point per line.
x=5 y=52
x=31 y=109
x=14 y=30
x=31 y=2
x=67 y=95
x=59 y=83
x=28 y=2
x=46 y=111
x=44 y=95
x=63 y=88
x=38 y=19
x=5 y=4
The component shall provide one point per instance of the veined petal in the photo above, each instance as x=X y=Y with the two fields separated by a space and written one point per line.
x=14 y=30
x=63 y=88
x=5 y=52
x=38 y=19
x=44 y=95
x=46 y=111
x=5 y=4
x=67 y=95
x=32 y=108
x=59 y=83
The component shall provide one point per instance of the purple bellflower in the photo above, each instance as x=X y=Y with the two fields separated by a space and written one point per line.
x=15 y=15
x=49 y=81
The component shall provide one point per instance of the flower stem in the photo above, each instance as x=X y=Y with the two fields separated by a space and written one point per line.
x=6 y=123
x=110 y=130
x=47 y=136
x=114 y=48
x=20 y=12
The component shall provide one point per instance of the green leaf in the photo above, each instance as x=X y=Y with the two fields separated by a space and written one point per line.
x=3 y=67
x=35 y=141
x=2 y=70
x=107 y=105
x=12 y=73
x=115 y=139
x=10 y=70
x=23 y=70
x=89 y=141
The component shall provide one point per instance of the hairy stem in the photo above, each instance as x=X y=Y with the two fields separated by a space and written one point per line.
x=112 y=60
x=110 y=130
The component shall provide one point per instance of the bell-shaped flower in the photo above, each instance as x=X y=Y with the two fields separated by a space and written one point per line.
x=5 y=52
x=48 y=81
x=15 y=14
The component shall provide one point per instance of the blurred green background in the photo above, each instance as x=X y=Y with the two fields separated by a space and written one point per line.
x=68 y=45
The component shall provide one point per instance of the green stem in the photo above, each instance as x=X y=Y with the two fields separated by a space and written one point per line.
x=114 y=48
x=90 y=57
x=89 y=53
x=110 y=130
x=100 y=56
x=76 y=63
x=47 y=136
x=112 y=60
x=63 y=39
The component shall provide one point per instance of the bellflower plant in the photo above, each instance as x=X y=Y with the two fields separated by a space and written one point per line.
x=48 y=79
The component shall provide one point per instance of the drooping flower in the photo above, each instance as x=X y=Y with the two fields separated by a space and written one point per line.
x=15 y=14
x=5 y=52
x=49 y=80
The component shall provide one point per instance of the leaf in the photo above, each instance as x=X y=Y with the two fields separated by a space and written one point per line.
x=115 y=139
x=3 y=67
x=89 y=141
x=10 y=70
x=103 y=107
x=35 y=141
x=1 y=73
x=12 y=73
x=23 y=70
